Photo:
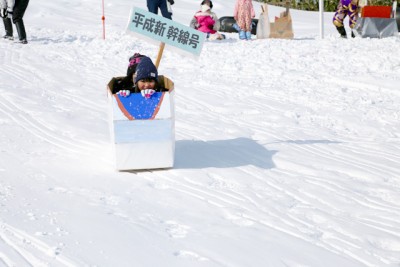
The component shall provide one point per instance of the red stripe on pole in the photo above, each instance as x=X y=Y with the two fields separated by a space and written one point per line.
x=103 y=18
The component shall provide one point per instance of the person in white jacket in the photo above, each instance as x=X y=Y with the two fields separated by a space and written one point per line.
x=13 y=11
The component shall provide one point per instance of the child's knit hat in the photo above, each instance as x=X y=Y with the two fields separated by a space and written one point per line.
x=146 y=70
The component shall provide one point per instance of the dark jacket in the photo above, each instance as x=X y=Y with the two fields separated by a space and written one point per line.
x=17 y=7
x=125 y=83
x=153 y=5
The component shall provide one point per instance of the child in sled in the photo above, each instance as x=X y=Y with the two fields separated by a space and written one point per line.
x=141 y=77
x=243 y=14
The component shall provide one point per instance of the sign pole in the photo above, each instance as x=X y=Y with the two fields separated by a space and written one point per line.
x=103 y=18
x=160 y=52
x=321 y=18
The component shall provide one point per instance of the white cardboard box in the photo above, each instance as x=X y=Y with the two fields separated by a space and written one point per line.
x=143 y=131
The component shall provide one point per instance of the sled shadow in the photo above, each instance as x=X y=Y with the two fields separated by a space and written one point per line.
x=193 y=154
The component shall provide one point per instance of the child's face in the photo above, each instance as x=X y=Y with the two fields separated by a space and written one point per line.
x=146 y=84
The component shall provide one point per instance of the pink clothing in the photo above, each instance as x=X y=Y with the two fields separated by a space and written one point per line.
x=243 y=14
x=205 y=21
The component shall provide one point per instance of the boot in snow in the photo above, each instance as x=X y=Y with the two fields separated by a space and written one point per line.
x=21 y=31
x=248 y=35
x=242 y=35
x=342 y=31
x=8 y=28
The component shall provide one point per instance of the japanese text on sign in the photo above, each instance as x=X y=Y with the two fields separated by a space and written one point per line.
x=165 y=30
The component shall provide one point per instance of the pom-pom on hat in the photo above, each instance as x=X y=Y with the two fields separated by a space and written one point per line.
x=133 y=62
x=146 y=70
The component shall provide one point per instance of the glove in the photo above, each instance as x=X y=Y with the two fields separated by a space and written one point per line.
x=124 y=93
x=171 y=2
x=3 y=13
x=147 y=93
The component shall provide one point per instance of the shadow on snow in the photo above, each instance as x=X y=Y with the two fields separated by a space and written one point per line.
x=194 y=154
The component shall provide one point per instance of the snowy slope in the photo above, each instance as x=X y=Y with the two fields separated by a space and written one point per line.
x=287 y=151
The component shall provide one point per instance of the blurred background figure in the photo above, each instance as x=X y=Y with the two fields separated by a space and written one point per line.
x=14 y=10
x=154 y=5
x=344 y=8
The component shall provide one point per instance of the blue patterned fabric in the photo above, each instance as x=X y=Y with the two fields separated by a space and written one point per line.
x=138 y=107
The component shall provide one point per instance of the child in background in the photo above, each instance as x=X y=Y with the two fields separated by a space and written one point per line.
x=205 y=22
x=344 y=8
x=193 y=22
x=243 y=14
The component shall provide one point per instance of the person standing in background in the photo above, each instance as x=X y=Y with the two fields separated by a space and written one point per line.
x=243 y=14
x=169 y=6
x=153 y=6
x=344 y=8
x=6 y=20
x=14 y=10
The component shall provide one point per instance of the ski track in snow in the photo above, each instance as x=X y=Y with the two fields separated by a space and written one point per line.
x=332 y=183
x=22 y=249
x=252 y=212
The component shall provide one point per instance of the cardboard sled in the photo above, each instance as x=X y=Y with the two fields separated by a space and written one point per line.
x=264 y=25
x=376 y=22
x=282 y=27
x=143 y=130
x=376 y=27
x=376 y=12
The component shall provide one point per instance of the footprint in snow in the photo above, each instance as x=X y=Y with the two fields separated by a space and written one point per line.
x=176 y=230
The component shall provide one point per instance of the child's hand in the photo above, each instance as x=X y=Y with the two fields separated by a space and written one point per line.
x=147 y=93
x=124 y=93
